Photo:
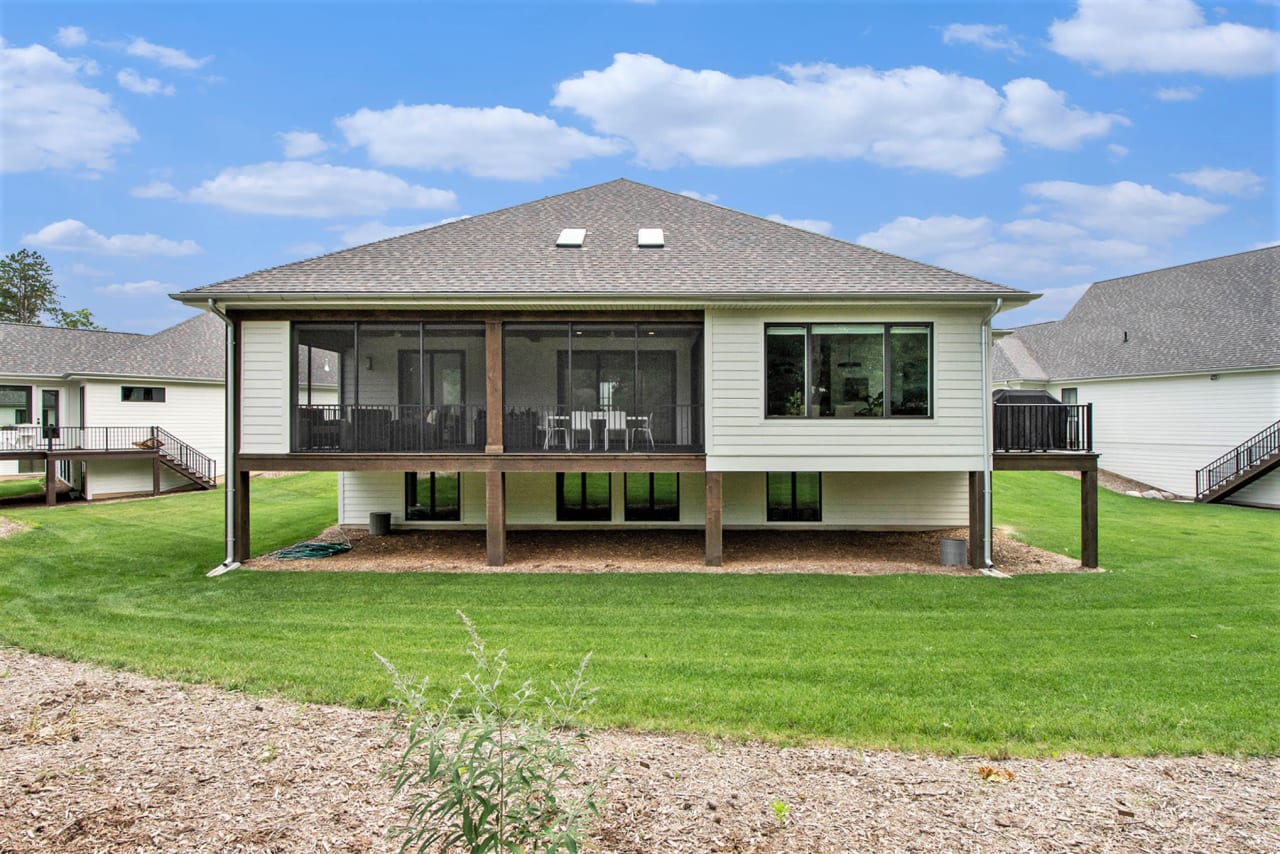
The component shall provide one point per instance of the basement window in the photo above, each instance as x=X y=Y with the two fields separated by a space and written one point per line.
x=142 y=393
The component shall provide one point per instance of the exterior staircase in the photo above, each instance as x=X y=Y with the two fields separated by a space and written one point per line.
x=1240 y=466
x=185 y=460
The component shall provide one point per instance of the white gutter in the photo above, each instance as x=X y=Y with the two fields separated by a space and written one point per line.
x=986 y=433
x=228 y=476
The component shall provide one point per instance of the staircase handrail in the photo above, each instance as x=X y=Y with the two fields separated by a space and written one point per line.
x=173 y=448
x=1238 y=460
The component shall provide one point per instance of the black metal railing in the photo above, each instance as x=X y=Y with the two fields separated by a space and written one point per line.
x=173 y=450
x=182 y=456
x=1238 y=460
x=409 y=429
x=1042 y=427
x=562 y=429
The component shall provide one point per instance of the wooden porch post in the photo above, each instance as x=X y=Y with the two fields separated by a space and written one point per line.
x=241 y=517
x=715 y=518
x=495 y=501
x=50 y=481
x=977 y=520
x=155 y=473
x=1089 y=519
x=493 y=386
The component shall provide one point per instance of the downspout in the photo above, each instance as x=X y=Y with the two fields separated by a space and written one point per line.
x=228 y=476
x=986 y=432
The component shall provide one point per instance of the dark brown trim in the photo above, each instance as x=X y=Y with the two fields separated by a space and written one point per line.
x=1089 y=519
x=495 y=508
x=155 y=474
x=241 y=519
x=715 y=519
x=977 y=522
x=473 y=462
x=50 y=481
x=493 y=443
x=558 y=313
x=1044 y=461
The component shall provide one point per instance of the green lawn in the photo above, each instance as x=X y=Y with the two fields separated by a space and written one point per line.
x=32 y=486
x=1173 y=650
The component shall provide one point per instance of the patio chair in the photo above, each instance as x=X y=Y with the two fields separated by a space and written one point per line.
x=640 y=424
x=615 y=421
x=550 y=426
x=580 y=421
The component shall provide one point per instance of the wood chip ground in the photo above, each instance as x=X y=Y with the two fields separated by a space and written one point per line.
x=97 y=760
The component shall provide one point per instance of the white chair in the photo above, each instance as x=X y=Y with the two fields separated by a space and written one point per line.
x=640 y=424
x=551 y=425
x=615 y=420
x=580 y=421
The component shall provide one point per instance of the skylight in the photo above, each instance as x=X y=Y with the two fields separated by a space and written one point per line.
x=650 y=238
x=571 y=238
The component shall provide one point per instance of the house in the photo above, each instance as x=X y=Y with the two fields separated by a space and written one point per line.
x=1182 y=366
x=617 y=356
x=113 y=413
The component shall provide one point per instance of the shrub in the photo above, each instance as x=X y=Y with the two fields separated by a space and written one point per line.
x=492 y=768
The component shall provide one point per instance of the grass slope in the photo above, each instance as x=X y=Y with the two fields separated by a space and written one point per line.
x=1170 y=651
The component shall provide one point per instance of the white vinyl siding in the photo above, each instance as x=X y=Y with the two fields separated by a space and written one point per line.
x=107 y=477
x=363 y=492
x=193 y=412
x=265 y=357
x=1263 y=492
x=1160 y=430
x=741 y=438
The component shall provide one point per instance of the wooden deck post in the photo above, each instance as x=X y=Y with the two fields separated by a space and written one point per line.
x=977 y=520
x=495 y=501
x=155 y=474
x=50 y=481
x=1089 y=518
x=493 y=443
x=715 y=519
x=241 y=509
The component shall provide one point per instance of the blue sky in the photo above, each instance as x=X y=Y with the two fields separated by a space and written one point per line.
x=150 y=148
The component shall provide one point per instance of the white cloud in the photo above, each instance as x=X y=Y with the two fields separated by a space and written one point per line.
x=74 y=236
x=1037 y=114
x=299 y=143
x=147 y=288
x=169 y=57
x=298 y=188
x=1229 y=182
x=816 y=225
x=1052 y=305
x=156 y=190
x=490 y=142
x=1125 y=209
x=985 y=36
x=135 y=82
x=78 y=269
x=908 y=235
x=1162 y=36
x=912 y=117
x=1178 y=93
x=71 y=37
x=702 y=197
x=50 y=119
x=370 y=232
x=1117 y=151
x=305 y=249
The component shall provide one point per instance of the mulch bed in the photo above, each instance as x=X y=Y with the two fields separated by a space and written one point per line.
x=98 y=760
x=815 y=552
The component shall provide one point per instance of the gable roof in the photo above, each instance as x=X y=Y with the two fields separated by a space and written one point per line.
x=710 y=252
x=1219 y=314
x=190 y=350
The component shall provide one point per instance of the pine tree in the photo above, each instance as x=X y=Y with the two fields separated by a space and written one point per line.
x=27 y=293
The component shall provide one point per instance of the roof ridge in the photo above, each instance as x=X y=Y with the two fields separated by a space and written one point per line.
x=1273 y=247
x=75 y=329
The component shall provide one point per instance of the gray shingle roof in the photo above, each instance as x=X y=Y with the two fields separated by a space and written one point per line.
x=710 y=251
x=192 y=349
x=1212 y=315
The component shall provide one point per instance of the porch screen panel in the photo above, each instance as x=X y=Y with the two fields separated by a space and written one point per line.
x=324 y=386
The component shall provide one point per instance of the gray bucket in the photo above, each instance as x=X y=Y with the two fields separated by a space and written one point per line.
x=953 y=552
x=379 y=524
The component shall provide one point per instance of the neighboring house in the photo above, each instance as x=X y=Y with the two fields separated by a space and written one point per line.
x=617 y=356
x=1183 y=368
x=114 y=413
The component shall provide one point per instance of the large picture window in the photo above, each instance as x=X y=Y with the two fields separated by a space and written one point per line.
x=583 y=497
x=434 y=496
x=848 y=370
x=652 y=496
x=793 y=496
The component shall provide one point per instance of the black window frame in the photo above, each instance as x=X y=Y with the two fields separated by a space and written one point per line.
x=807 y=410
x=149 y=394
x=430 y=512
x=649 y=512
x=583 y=512
x=21 y=414
x=793 y=513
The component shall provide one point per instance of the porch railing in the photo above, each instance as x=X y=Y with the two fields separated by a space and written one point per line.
x=562 y=429
x=1043 y=427
x=410 y=429
x=171 y=449
x=1239 y=460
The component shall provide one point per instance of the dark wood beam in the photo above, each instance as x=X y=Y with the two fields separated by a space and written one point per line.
x=977 y=520
x=50 y=481
x=474 y=462
x=1089 y=519
x=493 y=386
x=241 y=518
x=715 y=519
x=495 y=503
x=155 y=473
x=1047 y=461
